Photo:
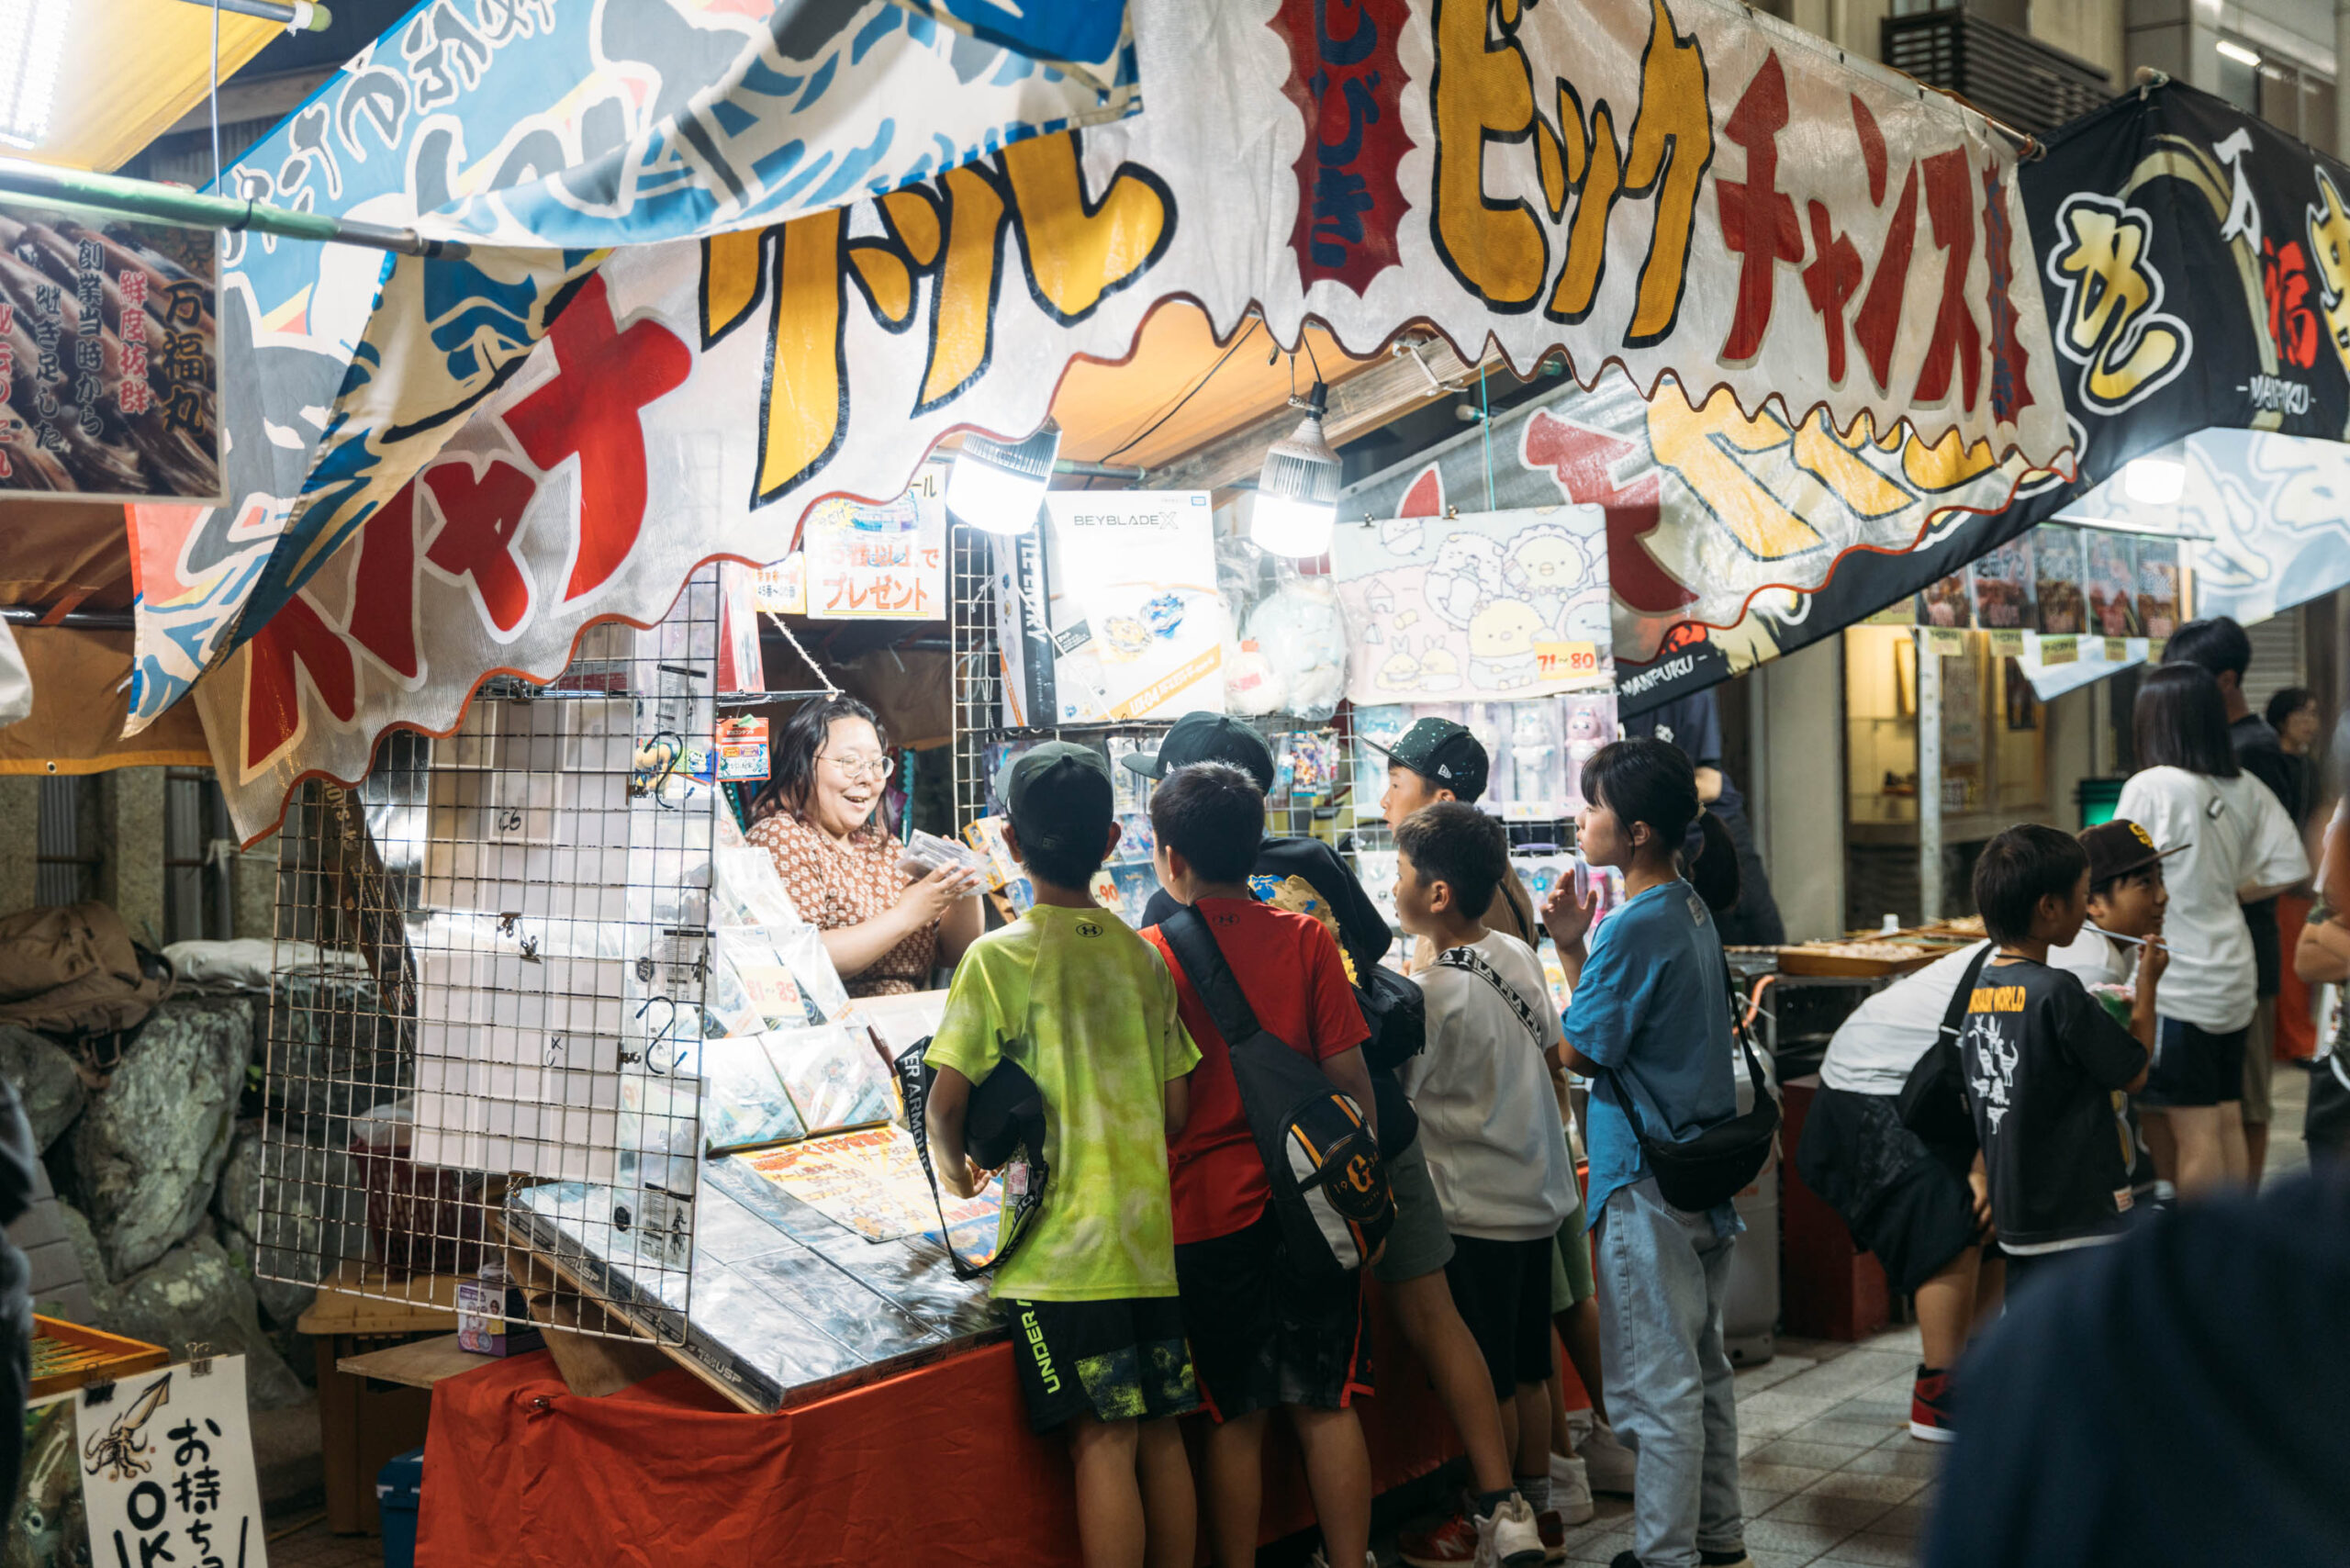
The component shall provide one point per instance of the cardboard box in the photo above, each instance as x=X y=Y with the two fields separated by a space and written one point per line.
x=493 y=1320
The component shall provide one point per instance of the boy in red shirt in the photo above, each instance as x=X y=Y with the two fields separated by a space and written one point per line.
x=1261 y=1337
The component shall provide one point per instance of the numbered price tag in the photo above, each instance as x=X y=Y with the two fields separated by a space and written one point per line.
x=1566 y=661
x=2059 y=649
x=1948 y=641
x=742 y=746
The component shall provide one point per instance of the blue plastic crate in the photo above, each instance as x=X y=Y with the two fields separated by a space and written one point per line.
x=400 y=1485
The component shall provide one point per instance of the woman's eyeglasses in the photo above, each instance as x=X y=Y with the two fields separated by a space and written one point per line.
x=853 y=769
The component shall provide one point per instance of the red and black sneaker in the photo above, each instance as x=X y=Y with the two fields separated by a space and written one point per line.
x=1930 y=1407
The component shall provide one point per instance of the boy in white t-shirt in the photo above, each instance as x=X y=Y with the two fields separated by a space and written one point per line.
x=1491 y=1129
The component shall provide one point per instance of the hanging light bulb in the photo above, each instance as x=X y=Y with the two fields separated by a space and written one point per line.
x=1297 y=493
x=2154 y=481
x=997 y=485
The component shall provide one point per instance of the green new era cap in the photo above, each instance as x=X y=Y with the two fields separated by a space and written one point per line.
x=1443 y=753
x=1207 y=737
x=1059 y=794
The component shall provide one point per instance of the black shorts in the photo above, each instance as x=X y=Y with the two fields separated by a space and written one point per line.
x=1114 y=1360
x=1921 y=1221
x=2194 y=1067
x=1503 y=1291
x=1260 y=1336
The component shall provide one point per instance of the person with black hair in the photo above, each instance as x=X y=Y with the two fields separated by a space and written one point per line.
x=818 y=817
x=1694 y=723
x=1650 y=1017
x=2292 y=713
x=1083 y=1006
x=1262 y=1336
x=1306 y=875
x=2236 y=846
x=2041 y=1059
x=2219 y=646
x=1495 y=1146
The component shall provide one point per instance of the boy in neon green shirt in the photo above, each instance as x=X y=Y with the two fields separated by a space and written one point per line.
x=1086 y=1009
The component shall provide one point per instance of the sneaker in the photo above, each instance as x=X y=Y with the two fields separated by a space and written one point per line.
x=1370 y=1559
x=1453 y=1542
x=1609 y=1462
x=1726 y=1558
x=1552 y=1529
x=1929 y=1412
x=1570 y=1491
x=1513 y=1538
x=1624 y=1560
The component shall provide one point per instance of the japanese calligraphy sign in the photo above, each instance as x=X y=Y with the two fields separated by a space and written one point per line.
x=1375 y=165
x=167 y=1469
x=109 y=357
x=2195 y=270
x=884 y=563
x=539 y=132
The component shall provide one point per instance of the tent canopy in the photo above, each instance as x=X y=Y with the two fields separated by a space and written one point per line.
x=129 y=69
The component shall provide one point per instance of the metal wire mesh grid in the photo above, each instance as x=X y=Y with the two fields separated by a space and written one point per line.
x=491 y=964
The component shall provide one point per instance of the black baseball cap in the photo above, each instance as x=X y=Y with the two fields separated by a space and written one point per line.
x=1443 y=753
x=2119 y=847
x=1207 y=737
x=1059 y=794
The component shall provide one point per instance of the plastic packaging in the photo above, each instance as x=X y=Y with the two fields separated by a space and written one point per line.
x=926 y=852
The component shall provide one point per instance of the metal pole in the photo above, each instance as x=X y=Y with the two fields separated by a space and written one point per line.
x=1930 y=779
x=174 y=203
x=298 y=17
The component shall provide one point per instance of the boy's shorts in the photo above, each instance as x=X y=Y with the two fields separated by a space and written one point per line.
x=1503 y=1288
x=1262 y=1336
x=1571 y=1280
x=1418 y=1243
x=2194 y=1067
x=1114 y=1360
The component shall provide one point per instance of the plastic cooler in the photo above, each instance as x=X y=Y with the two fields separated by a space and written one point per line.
x=399 y=1489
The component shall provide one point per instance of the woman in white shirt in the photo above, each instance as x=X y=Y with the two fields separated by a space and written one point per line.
x=2234 y=845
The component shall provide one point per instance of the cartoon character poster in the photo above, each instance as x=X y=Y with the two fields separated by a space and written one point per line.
x=1492 y=606
x=2112 y=584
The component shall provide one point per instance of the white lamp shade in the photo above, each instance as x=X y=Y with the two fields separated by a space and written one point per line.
x=1282 y=525
x=992 y=498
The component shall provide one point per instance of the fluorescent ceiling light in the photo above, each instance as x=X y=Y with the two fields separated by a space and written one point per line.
x=2154 y=481
x=32 y=34
x=2240 y=54
x=996 y=486
x=1297 y=492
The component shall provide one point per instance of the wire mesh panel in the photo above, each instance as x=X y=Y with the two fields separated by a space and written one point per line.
x=491 y=960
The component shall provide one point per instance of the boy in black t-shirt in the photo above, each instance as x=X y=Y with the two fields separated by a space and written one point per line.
x=2041 y=1058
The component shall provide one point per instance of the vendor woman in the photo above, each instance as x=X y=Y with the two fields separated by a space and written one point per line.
x=884 y=929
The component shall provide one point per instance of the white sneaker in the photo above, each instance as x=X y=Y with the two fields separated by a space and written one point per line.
x=1510 y=1538
x=1370 y=1559
x=1571 y=1490
x=1609 y=1461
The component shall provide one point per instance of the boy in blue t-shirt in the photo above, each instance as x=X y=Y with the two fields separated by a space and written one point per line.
x=1650 y=1002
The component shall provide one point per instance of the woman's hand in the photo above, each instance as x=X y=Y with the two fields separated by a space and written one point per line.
x=1571 y=909
x=926 y=901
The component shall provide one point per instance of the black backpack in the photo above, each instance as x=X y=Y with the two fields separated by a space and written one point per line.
x=1330 y=1190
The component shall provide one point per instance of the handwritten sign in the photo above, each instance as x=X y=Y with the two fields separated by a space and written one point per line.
x=2059 y=649
x=167 y=1469
x=782 y=589
x=2007 y=644
x=1948 y=641
x=880 y=562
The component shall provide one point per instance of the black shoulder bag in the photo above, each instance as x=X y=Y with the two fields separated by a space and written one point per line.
x=1330 y=1192
x=1003 y=1129
x=1932 y=1101
x=1715 y=1166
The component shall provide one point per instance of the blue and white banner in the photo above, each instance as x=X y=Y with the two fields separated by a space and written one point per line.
x=541 y=133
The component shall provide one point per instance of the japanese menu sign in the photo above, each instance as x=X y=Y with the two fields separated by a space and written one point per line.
x=109 y=357
x=167 y=1469
x=880 y=562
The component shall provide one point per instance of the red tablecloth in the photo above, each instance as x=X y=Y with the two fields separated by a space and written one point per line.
x=935 y=1465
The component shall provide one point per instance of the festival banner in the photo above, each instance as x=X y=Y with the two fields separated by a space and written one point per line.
x=109 y=356
x=1377 y=169
x=537 y=132
x=2196 y=268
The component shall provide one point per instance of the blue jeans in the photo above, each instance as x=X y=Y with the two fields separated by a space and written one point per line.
x=1662 y=1275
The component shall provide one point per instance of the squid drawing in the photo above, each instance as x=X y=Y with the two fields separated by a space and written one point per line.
x=118 y=1451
